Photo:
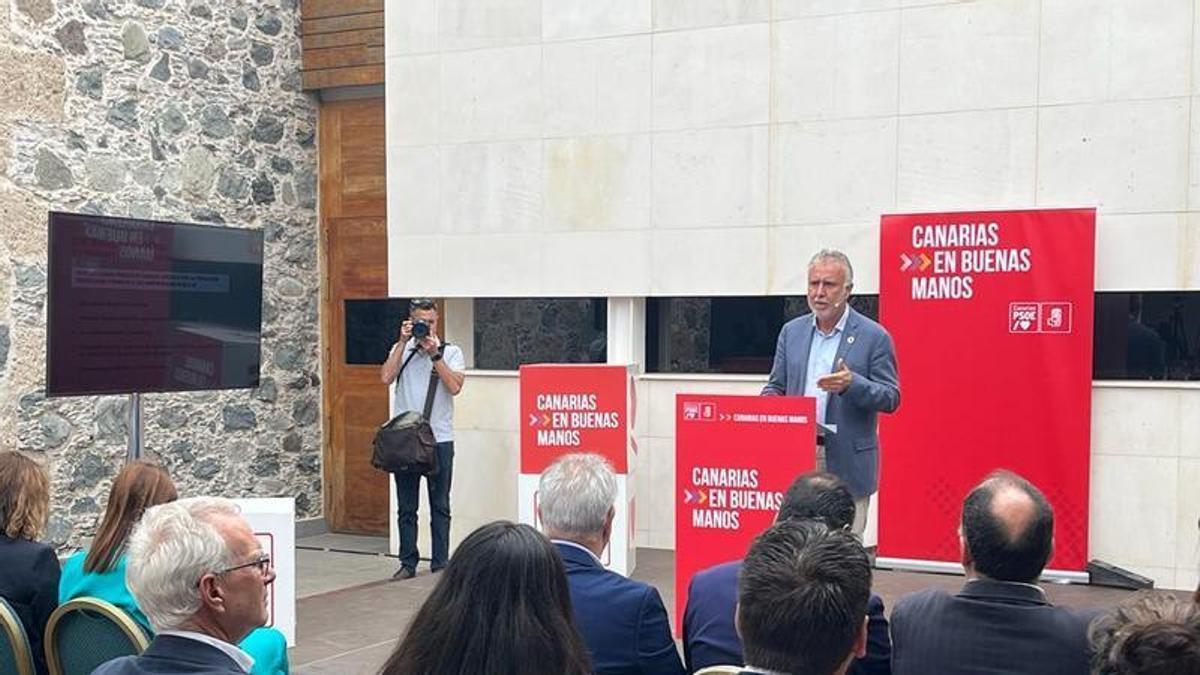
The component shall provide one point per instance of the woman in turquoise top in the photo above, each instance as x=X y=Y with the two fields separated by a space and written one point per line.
x=100 y=571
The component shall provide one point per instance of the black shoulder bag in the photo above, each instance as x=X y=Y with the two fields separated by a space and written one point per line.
x=405 y=443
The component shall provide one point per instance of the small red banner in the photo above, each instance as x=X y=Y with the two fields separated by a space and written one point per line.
x=574 y=408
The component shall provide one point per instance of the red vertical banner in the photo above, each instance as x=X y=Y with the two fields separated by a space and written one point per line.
x=735 y=457
x=991 y=314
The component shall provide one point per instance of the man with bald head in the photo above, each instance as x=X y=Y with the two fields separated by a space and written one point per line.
x=1001 y=620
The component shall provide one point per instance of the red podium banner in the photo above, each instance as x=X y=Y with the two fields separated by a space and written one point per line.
x=735 y=457
x=991 y=314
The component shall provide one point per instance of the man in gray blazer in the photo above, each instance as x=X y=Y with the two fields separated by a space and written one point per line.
x=847 y=362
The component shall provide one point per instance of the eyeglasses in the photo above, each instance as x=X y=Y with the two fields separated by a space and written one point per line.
x=422 y=303
x=262 y=562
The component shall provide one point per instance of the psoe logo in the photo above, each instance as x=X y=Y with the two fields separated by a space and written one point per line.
x=1023 y=317
x=1056 y=317
x=699 y=411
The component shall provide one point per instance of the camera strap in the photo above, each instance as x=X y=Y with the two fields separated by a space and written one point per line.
x=433 y=378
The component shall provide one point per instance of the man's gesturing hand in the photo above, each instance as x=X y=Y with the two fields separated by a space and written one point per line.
x=837 y=381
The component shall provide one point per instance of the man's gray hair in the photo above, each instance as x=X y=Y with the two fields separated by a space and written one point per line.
x=172 y=546
x=576 y=493
x=836 y=256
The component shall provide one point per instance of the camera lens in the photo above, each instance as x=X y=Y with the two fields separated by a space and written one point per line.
x=420 y=330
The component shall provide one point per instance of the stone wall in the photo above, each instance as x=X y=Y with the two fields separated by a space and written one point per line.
x=176 y=110
x=513 y=331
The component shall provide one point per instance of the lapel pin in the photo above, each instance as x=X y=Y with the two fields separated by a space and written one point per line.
x=850 y=340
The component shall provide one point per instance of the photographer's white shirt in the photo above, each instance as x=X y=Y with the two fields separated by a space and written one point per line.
x=409 y=389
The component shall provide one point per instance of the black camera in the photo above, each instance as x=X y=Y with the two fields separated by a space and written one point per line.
x=420 y=329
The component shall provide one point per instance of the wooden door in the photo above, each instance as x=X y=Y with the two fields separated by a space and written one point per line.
x=354 y=261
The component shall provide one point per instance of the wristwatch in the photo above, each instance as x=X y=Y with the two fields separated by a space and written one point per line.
x=437 y=356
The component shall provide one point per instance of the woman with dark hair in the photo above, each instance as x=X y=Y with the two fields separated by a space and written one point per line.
x=28 y=570
x=99 y=572
x=502 y=607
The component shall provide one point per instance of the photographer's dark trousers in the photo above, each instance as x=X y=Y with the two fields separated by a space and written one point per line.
x=408 y=488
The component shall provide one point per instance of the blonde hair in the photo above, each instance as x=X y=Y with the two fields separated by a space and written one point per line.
x=24 y=496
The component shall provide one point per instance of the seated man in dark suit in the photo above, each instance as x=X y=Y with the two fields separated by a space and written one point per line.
x=1001 y=621
x=622 y=621
x=709 y=636
x=802 y=600
x=200 y=576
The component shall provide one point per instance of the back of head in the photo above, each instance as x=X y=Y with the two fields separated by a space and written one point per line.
x=171 y=548
x=1008 y=528
x=140 y=485
x=24 y=496
x=818 y=496
x=501 y=607
x=802 y=598
x=1151 y=634
x=575 y=495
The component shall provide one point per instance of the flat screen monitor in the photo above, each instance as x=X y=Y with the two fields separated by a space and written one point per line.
x=137 y=306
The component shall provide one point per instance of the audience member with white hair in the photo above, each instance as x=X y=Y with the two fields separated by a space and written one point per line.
x=623 y=621
x=200 y=576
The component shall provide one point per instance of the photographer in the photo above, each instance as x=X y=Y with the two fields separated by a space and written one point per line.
x=414 y=359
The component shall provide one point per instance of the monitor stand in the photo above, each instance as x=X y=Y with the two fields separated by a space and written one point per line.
x=135 y=428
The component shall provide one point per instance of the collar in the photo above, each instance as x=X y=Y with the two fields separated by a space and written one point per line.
x=241 y=658
x=838 y=327
x=1004 y=591
x=571 y=544
x=752 y=669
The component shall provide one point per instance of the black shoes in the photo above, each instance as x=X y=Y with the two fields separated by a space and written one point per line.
x=404 y=573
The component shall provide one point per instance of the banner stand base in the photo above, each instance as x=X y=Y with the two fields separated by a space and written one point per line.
x=1101 y=573
x=955 y=569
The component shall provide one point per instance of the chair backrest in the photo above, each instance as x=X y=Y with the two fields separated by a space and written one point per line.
x=719 y=670
x=86 y=632
x=16 y=656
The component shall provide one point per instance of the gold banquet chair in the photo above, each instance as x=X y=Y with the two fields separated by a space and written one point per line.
x=86 y=632
x=16 y=656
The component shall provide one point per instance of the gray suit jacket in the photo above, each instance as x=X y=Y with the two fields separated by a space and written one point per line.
x=851 y=454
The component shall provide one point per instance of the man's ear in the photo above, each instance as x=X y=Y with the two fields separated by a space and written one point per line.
x=964 y=551
x=737 y=619
x=211 y=595
x=608 y=522
x=860 y=641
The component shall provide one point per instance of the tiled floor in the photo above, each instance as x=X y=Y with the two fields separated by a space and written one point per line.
x=350 y=614
x=329 y=562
